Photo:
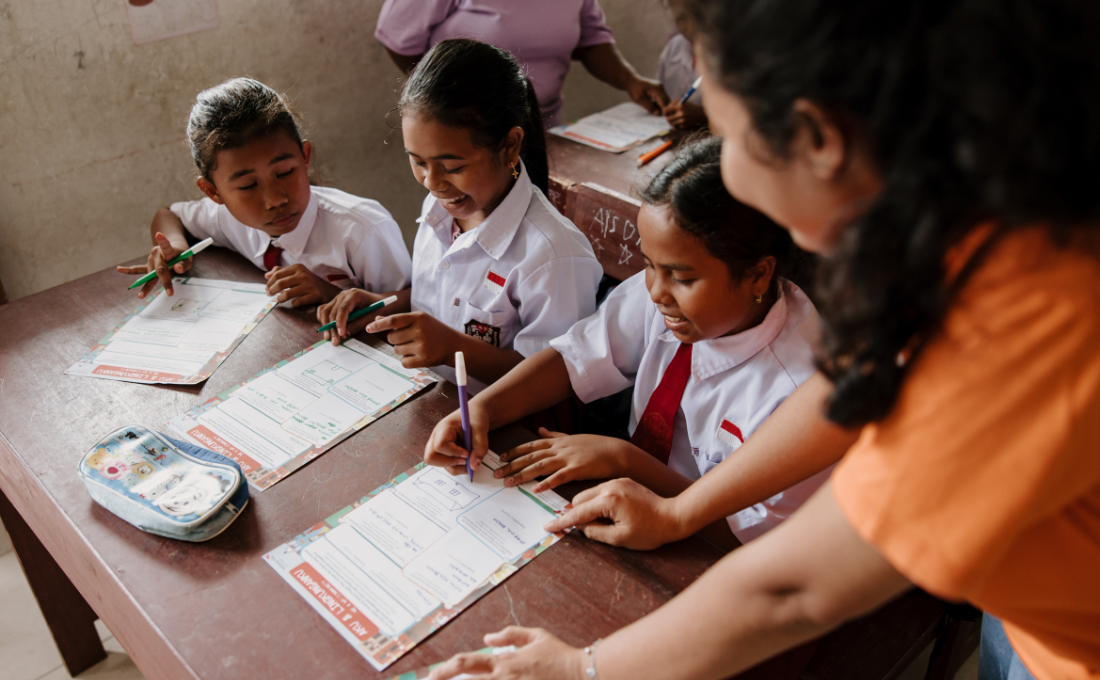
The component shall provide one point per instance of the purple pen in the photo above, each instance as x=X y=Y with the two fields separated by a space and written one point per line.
x=463 y=407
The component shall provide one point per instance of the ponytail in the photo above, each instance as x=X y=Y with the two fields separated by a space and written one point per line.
x=533 y=151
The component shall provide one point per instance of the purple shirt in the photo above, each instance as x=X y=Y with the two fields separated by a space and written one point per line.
x=542 y=34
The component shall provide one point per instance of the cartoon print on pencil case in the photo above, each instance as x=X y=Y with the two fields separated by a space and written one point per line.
x=152 y=488
x=101 y=457
x=195 y=494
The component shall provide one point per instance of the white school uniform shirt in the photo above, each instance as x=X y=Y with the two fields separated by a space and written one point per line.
x=736 y=381
x=349 y=241
x=676 y=70
x=521 y=278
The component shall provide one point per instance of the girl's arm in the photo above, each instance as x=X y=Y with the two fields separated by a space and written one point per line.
x=606 y=63
x=538 y=382
x=567 y=458
x=793 y=444
x=791 y=585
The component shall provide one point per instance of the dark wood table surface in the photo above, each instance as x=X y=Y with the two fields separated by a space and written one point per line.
x=215 y=609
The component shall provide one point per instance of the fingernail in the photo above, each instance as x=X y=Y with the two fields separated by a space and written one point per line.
x=509 y=480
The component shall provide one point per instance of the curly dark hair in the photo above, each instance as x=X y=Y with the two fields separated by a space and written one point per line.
x=691 y=188
x=474 y=86
x=233 y=114
x=974 y=111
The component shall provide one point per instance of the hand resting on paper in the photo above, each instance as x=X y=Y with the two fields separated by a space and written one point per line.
x=299 y=284
x=623 y=513
x=163 y=252
x=539 y=655
x=445 y=446
x=566 y=458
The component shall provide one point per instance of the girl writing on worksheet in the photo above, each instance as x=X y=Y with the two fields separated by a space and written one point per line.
x=497 y=271
x=253 y=167
x=711 y=336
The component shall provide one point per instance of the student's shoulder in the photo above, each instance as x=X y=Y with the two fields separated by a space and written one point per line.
x=793 y=346
x=350 y=211
x=549 y=234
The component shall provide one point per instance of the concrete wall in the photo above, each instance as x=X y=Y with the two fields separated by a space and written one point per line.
x=91 y=126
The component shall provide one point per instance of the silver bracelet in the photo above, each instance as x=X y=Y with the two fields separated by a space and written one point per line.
x=590 y=650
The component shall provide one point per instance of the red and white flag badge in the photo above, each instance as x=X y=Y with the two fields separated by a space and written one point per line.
x=494 y=283
x=730 y=434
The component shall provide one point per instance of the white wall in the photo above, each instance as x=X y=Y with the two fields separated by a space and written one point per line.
x=91 y=126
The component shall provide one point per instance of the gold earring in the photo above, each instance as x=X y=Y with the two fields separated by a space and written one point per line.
x=759 y=299
x=515 y=173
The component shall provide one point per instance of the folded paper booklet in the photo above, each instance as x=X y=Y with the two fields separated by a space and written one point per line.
x=180 y=339
x=299 y=408
x=617 y=129
x=389 y=570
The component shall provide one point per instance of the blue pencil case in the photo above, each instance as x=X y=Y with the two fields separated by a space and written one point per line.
x=164 y=486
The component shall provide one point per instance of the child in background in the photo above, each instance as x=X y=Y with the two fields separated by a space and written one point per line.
x=313 y=242
x=710 y=335
x=497 y=271
x=676 y=71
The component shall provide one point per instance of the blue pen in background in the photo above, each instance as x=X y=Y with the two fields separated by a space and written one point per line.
x=694 y=87
x=464 y=408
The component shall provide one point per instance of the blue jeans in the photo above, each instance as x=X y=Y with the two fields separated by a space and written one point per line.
x=996 y=658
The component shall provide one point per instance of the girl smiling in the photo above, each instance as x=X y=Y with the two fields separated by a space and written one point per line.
x=710 y=335
x=497 y=271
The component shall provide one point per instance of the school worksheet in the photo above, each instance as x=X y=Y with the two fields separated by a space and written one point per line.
x=391 y=569
x=299 y=408
x=180 y=339
x=617 y=129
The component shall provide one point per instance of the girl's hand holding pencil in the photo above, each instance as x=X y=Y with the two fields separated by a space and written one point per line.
x=446 y=447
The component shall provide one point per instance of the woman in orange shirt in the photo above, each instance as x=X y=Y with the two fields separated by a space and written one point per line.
x=947 y=156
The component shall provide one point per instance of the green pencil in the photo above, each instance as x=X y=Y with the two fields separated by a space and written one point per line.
x=361 y=312
x=190 y=252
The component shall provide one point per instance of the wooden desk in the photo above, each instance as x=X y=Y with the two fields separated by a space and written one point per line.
x=598 y=191
x=216 y=610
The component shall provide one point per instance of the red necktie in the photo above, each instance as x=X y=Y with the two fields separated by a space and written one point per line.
x=654 y=432
x=271 y=256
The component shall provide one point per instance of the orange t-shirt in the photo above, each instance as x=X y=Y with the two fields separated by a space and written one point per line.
x=984 y=482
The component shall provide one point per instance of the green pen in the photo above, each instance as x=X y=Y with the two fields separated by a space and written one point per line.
x=361 y=312
x=190 y=252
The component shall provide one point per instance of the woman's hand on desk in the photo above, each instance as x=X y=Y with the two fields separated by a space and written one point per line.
x=566 y=458
x=163 y=252
x=338 y=310
x=539 y=655
x=445 y=447
x=623 y=513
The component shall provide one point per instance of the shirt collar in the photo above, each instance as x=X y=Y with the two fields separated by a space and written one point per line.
x=294 y=242
x=495 y=234
x=711 y=357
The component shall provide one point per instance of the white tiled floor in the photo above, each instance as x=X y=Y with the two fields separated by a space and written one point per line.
x=27 y=650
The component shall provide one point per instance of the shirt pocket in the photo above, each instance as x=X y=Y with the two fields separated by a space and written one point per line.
x=494 y=328
x=708 y=459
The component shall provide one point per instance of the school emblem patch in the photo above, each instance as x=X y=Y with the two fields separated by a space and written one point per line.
x=483 y=332
x=730 y=434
